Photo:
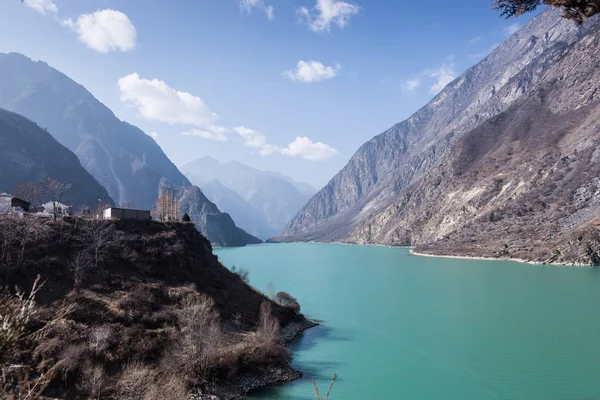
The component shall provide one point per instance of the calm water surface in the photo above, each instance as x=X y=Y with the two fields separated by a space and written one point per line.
x=397 y=326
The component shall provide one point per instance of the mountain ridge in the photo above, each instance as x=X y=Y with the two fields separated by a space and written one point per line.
x=120 y=156
x=523 y=184
x=391 y=161
x=28 y=153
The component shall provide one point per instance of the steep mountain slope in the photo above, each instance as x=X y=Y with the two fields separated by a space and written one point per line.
x=523 y=184
x=127 y=162
x=218 y=227
x=387 y=164
x=30 y=154
x=275 y=199
x=246 y=216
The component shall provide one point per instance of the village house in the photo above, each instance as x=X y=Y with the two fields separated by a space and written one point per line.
x=62 y=209
x=9 y=203
x=124 y=213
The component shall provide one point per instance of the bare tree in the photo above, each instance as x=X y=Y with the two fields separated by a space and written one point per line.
x=577 y=10
x=56 y=191
x=30 y=192
x=99 y=234
x=79 y=265
x=95 y=380
x=268 y=326
x=167 y=205
x=16 y=235
x=161 y=208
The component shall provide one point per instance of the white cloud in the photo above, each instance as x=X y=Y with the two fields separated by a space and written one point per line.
x=155 y=100
x=301 y=147
x=412 y=84
x=251 y=137
x=269 y=149
x=153 y=135
x=307 y=149
x=311 y=71
x=443 y=76
x=219 y=137
x=270 y=12
x=512 y=29
x=249 y=5
x=327 y=12
x=104 y=30
x=42 y=6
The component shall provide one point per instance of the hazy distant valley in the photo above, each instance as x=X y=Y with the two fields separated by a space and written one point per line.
x=261 y=202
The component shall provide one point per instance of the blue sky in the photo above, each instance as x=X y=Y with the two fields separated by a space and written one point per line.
x=294 y=86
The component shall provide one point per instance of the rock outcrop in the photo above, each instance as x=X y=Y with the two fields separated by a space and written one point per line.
x=386 y=165
x=216 y=226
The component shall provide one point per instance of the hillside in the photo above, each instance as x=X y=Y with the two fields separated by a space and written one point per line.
x=28 y=153
x=274 y=198
x=384 y=167
x=523 y=184
x=139 y=309
x=126 y=161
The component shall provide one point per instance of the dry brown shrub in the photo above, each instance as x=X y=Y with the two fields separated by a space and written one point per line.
x=134 y=381
x=172 y=387
x=69 y=361
x=200 y=335
x=94 y=380
x=100 y=338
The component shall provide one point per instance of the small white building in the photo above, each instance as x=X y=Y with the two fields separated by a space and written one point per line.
x=63 y=209
x=124 y=213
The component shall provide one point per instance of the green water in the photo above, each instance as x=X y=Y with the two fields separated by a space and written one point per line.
x=397 y=326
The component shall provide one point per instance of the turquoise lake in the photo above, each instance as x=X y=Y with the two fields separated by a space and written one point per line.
x=397 y=326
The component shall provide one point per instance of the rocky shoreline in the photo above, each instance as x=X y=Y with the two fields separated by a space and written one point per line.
x=241 y=386
x=518 y=260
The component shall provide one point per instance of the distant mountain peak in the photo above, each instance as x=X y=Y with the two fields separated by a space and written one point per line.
x=244 y=190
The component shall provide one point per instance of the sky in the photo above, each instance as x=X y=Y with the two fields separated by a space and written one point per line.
x=294 y=86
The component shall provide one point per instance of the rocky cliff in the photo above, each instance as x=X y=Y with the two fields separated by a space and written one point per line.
x=30 y=154
x=385 y=166
x=523 y=184
x=216 y=226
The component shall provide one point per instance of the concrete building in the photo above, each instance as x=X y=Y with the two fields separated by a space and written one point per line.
x=124 y=213
x=10 y=203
